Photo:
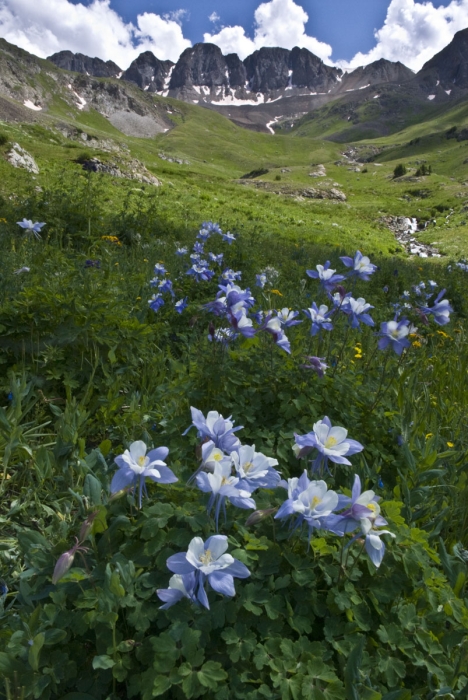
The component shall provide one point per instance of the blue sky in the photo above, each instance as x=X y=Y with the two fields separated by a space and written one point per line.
x=348 y=33
x=347 y=25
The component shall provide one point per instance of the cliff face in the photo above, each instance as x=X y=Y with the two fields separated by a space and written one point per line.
x=448 y=69
x=148 y=72
x=79 y=63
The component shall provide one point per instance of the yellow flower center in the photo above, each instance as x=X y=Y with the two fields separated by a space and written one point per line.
x=372 y=507
x=141 y=461
x=330 y=441
x=217 y=457
x=247 y=467
x=206 y=558
x=394 y=334
x=315 y=501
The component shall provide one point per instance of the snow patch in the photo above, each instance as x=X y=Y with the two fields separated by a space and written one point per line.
x=273 y=121
x=119 y=75
x=31 y=105
x=196 y=88
x=438 y=83
x=430 y=97
x=376 y=96
x=448 y=92
x=168 y=79
x=363 y=87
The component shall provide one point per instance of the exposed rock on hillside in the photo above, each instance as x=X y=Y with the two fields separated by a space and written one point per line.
x=448 y=69
x=133 y=170
x=378 y=72
x=79 y=63
x=20 y=158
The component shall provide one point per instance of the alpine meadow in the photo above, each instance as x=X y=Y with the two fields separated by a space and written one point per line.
x=234 y=377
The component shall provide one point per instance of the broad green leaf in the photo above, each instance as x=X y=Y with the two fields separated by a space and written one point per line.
x=103 y=662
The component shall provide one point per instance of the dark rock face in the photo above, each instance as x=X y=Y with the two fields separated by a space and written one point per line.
x=310 y=71
x=449 y=66
x=381 y=71
x=268 y=69
x=148 y=72
x=202 y=64
x=79 y=63
x=236 y=69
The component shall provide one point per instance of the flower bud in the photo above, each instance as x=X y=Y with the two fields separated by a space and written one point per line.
x=259 y=515
x=63 y=564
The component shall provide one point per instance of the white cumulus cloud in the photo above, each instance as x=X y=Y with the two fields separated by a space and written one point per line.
x=44 y=27
x=277 y=23
x=413 y=32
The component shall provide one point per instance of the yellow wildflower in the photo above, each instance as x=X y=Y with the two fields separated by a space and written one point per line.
x=276 y=291
x=450 y=444
x=416 y=344
x=429 y=435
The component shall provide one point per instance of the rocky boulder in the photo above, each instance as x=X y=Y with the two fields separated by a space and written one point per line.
x=20 y=158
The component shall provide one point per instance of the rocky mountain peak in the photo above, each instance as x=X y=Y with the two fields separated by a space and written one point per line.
x=149 y=73
x=202 y=64
x=79 y=63
x=378 y=72
x=448 y=68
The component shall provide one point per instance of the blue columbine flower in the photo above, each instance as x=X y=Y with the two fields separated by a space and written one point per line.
x=223 y=486
x=200 y=272
x=29 y=227
x=272 y=325
x=254 y=469
x=229 y=237
x=356 y=310
x=440 y=311
x=156 y=302
x=327 y=277
x=198 y=247
x=317 y=364
x=319 y=317
x=229 y=275
x=135 y=466
x=394 y=333
x=217 y=259
x=287 y=317
x=159 y=269
x=180 y=586
x=310 y=502
x=261 y=280
x=205 y=561
x=181 y=305
x=361 y=266
x=331 y=442
x=216 y=428
x=181 y=251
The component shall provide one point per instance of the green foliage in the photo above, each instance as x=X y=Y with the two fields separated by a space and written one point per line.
x=399 y=170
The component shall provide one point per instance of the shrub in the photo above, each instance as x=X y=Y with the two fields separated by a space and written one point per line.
x=400 y=170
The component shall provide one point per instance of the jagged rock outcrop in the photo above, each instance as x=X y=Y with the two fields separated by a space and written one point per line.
x=79 y=63
x=200 y=65
x=310 y=71
x=378 y=72
x=149 y=73
x=448 y=69
x=268 y=69
x=236 y=69
x=20 y=158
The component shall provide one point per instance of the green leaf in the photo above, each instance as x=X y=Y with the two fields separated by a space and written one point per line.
x=105 y=447
x=353 y=666
x=34 y=651
x=103 y=662
x=77 y=696
x=92 y=488
x=161 y=685
x=211 y=674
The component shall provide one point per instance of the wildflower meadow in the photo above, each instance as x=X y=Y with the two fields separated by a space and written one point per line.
x=233 y=466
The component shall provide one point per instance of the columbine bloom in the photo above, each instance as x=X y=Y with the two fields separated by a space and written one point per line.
x=394 y=333
x=216 y=428
x=272 y=325
x=254 y=469
x=309 y=501
x=316 y=364
x=440 y=311
x=230 y=275
x=159 y=269
x=135 y=465
x=361 y=506
x=207 y=229
x=327 y=277
x=29 y=227
x=332 y=444
x=319 y=317
x=222 y=485
x=261 y=280
x=362 y=266
x=180 y=586
x=237 y=317
x=181 y=305
x=156 y=302
x=229 y=237
x=200 y=272
x=287 y=317
x=356 y=310
x=208 y=560
x=181 y=251
x=198 y=247
x=218 y=259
